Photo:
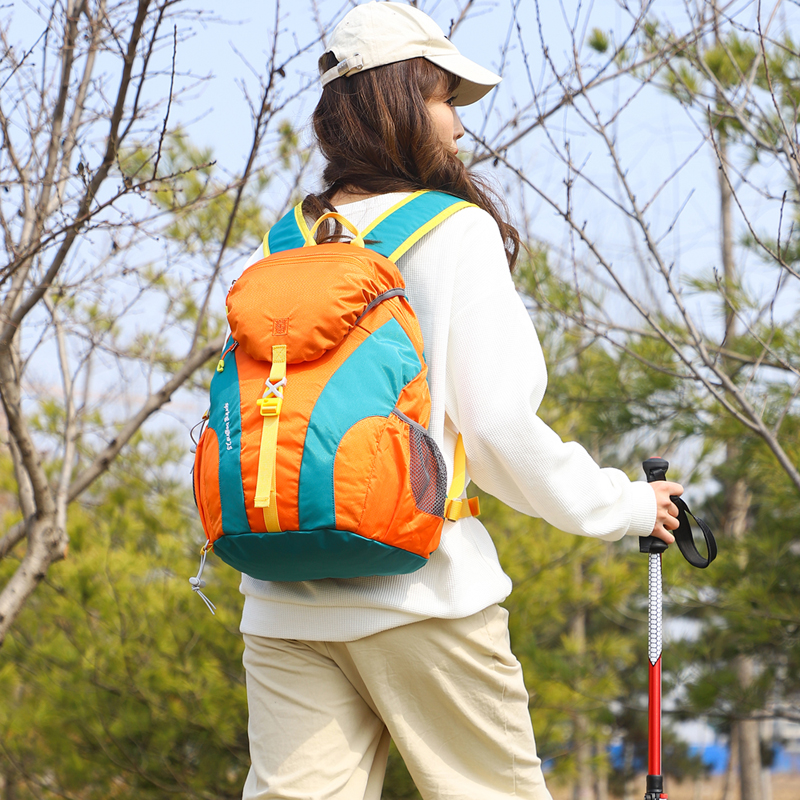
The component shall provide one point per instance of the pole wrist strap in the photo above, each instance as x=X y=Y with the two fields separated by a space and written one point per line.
x=685 y=541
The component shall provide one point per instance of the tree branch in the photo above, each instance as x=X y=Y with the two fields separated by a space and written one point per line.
x=152 y=404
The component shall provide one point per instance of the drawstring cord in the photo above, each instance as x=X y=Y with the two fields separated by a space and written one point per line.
x=197 y=582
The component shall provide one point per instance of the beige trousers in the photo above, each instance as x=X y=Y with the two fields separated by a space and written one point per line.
x=448 y=692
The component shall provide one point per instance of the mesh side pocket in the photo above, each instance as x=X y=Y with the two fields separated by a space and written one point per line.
x=428 y=472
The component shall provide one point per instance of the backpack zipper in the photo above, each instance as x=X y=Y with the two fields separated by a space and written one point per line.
x=221 y=365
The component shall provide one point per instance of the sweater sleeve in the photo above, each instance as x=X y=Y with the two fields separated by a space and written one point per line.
x=496 y=378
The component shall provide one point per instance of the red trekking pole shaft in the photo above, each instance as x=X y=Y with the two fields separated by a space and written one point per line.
x=656 y=470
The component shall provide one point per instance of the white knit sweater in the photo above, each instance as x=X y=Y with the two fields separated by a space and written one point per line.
x=487 y=377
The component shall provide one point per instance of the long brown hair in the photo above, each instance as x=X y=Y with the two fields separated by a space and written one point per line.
x=376 y=136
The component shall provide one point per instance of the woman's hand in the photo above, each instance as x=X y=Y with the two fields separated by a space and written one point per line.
x=667 y=511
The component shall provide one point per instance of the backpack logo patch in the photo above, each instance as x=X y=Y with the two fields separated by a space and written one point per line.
x=227 y=420
x=280 y=327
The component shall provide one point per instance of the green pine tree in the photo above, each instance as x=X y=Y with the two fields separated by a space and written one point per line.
x=118 y=681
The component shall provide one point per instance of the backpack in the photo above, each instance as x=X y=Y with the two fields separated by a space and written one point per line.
x=315 y=460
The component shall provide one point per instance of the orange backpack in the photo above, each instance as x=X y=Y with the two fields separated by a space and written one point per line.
x=315 y=461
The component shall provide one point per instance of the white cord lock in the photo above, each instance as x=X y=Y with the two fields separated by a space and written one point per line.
x=197 y=582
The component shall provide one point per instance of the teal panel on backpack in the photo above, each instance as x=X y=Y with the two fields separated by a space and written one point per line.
x=367 y=384
x=397 y=227
x=285 y=235
x=311 y=555
x=226 y=419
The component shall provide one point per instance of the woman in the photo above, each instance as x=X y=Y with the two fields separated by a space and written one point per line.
x=335 y=668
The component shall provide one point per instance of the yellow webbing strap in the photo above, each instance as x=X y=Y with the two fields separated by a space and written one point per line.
x=270 y=404
x=309 y=234
x=428 y=226
x=271 y=511
x=301 y=224
x=389 y=211
x=300 y=219
x=465 y=507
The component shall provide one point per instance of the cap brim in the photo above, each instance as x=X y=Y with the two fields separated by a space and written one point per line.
x=476 y=81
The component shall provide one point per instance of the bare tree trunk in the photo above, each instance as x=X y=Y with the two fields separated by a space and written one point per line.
x=746 y=731
x=767 y=731
x=697 y=789
x=749 y=739
x=601 y=791
x=766 y=784
x=737 y=500
x=733 y=765
x=8 y=784
x=583 y=789
x=629 y=790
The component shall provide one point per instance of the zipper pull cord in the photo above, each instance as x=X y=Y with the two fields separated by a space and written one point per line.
x=221 y=364
x=197 y=582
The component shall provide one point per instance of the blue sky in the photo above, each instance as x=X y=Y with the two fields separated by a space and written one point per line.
x=655 y=136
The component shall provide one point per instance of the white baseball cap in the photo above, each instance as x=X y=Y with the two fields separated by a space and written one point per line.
x=374 y=34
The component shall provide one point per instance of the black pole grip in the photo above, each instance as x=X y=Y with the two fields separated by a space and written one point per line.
x=656 y=470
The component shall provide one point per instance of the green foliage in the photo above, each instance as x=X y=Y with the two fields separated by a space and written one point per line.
x=624 y=57
x=780 y=75
x=599 y=40
x=118 y=682
x=754 y=607
x=715 y=76
x=597 y=393
x=684 y=83
x=745 y=604
x=290 y=151
x=731 y=59
x=606 y=398
x=398 y=784
x=200 y=205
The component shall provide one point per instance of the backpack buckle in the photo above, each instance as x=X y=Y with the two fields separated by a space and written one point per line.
x=272 y=400
x=270 y=406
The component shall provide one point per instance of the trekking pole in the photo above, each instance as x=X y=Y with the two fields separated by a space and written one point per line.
x=656 y=470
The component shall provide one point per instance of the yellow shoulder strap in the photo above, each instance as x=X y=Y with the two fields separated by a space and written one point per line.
x=389 y=211
x=455 y=508
x=428 y=226
x=421 y=211
x=288 y=232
